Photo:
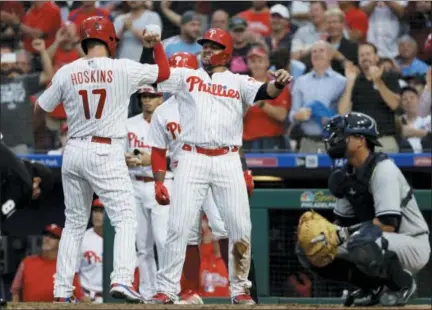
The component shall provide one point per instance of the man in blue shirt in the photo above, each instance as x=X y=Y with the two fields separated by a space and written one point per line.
x=315 y=96
x=409 y=64
x=190 y=31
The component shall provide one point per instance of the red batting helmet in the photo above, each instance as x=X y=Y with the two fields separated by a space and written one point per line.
x=223 y=38
x=183 y=60
x=97 y=203
x=99 y=28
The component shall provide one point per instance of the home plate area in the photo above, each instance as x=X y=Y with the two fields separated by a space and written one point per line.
x=207 y=306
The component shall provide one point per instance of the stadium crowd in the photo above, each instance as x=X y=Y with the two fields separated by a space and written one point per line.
x=368 y=56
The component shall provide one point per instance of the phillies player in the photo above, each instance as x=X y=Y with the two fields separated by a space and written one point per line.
x=152 y=217
x=90 y=269
x=95 y=91
x=211 y=103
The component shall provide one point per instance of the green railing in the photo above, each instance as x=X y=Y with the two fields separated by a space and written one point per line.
x=261 y=202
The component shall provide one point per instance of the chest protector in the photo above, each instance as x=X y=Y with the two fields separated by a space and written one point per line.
x=343 y=183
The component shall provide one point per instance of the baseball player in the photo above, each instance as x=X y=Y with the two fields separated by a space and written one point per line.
x=380 y=238
x=90 y=269
x=211 y=102
x=164 y=134
x=95 y=91
x=152 y=217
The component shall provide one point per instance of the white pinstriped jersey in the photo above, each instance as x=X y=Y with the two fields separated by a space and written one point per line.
x=139 y=138
x=211 y=108
x=165 y=129
x=95 y=93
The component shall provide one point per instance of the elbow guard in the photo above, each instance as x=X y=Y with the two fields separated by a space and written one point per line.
x=262 y=93
x=158 y=160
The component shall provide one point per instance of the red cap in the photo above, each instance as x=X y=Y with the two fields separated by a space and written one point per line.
x=148 y=89
x=53 y=229
x=257 y=51
x=97 y=203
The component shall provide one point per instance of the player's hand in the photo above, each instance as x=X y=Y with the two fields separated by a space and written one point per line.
x=36 y=189
x=151 y=35
x=161 y=194
x=281 y=76
x=132 y=160
x=250 y=185
x=38 y=45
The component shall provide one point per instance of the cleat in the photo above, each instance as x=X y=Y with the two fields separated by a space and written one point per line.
x=190 y=298
x=243 y=299
x=363 y=298
x=398 y=298
x=65 y=300
x=121 y=291
x=161 y=298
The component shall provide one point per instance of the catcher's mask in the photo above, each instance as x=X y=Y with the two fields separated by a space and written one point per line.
x=338 y=128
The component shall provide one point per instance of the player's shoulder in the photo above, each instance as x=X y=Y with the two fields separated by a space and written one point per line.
x=170 y=106
x=386 y=169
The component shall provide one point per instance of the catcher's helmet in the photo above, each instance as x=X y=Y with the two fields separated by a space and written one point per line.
x=223 y=38
x=183 y=60
x=99 y=28
x=350 y=124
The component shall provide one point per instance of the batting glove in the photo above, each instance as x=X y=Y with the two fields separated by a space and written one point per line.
x=249 y=182
x=161 y=193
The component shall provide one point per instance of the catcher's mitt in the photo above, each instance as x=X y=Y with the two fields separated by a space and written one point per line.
x=318 y=238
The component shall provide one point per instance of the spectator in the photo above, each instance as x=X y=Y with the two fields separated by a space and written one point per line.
x=42 y=20
x=258 y=18
x=425 y=99
x=263 y=127
x=9 y=9
x=306 y=35
x=315 y=96
x=220 y=19
x=190 y=26
x=281 y=30
x=62 y=140
x=130 y=26
x=34 y=279
x=390 y=65
x=90 y=269
x=241 y=46
x=214 y=274
x=356 y=20
x=86 y=10
x=418 y=18
x=414 y=126
x=16 y=89
x=407 y=59
x=300 y=12
x=384 y=25
x=373 y=92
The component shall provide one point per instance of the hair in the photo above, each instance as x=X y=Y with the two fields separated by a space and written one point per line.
x=384 y=60
x=322 y=3
x=335 y=12
x=91 y=43
x=407 y=38
x=371 y=45
x=409 y=89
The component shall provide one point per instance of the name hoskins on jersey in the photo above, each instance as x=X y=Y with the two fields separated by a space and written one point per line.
x=211 y=109
x=139 y=138
x=95 y=93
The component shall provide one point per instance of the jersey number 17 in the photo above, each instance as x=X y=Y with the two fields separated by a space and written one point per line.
x=102 y=97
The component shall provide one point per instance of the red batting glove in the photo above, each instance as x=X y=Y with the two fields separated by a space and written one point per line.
x=161 y=194
x=249 y=182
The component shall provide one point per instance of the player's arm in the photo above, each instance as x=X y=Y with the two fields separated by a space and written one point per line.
x=384 y=187
x=51 y=97
x=17 y=283
x=153 y=53
x=344 y=213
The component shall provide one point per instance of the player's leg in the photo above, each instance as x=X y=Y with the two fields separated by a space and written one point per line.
x=78 y=197
x=145 y=243
x=230 y=195
x=190 y=188
x=159 y=218
x=217 y=226
x=110 y=180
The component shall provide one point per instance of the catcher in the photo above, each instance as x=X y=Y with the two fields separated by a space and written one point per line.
x=379 y=238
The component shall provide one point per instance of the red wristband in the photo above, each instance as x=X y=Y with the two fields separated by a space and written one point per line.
x=158 y=160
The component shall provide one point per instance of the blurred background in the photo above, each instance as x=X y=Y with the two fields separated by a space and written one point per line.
x=337 y=52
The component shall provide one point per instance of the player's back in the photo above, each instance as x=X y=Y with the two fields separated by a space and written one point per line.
x=95 y=94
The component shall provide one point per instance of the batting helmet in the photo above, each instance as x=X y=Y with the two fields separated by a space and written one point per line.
x=183 y=60
x=350 y=124
x=99 y=28
x=224 y=39
x=97 y=203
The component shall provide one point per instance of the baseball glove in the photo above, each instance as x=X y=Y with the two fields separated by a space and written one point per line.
x=318 y=238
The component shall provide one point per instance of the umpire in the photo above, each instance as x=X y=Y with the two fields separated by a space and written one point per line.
x=393 y=242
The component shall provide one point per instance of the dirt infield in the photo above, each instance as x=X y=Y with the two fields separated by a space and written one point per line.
x=120 y=306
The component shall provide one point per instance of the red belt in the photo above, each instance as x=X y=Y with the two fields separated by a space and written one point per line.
x=144 y=179
x=211 y=152
x=102 y=140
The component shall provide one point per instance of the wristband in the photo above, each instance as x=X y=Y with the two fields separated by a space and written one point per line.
x=244 y=163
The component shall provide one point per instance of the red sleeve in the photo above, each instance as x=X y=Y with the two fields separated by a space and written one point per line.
x=78 y=292
x=17 y=283
x=360 y=22
x=161 y=60
x=158 y=160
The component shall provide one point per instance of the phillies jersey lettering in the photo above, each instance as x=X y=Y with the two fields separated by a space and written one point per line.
x=90 y=270
x=211 y=109
x=165 y=129
x=96 y=93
